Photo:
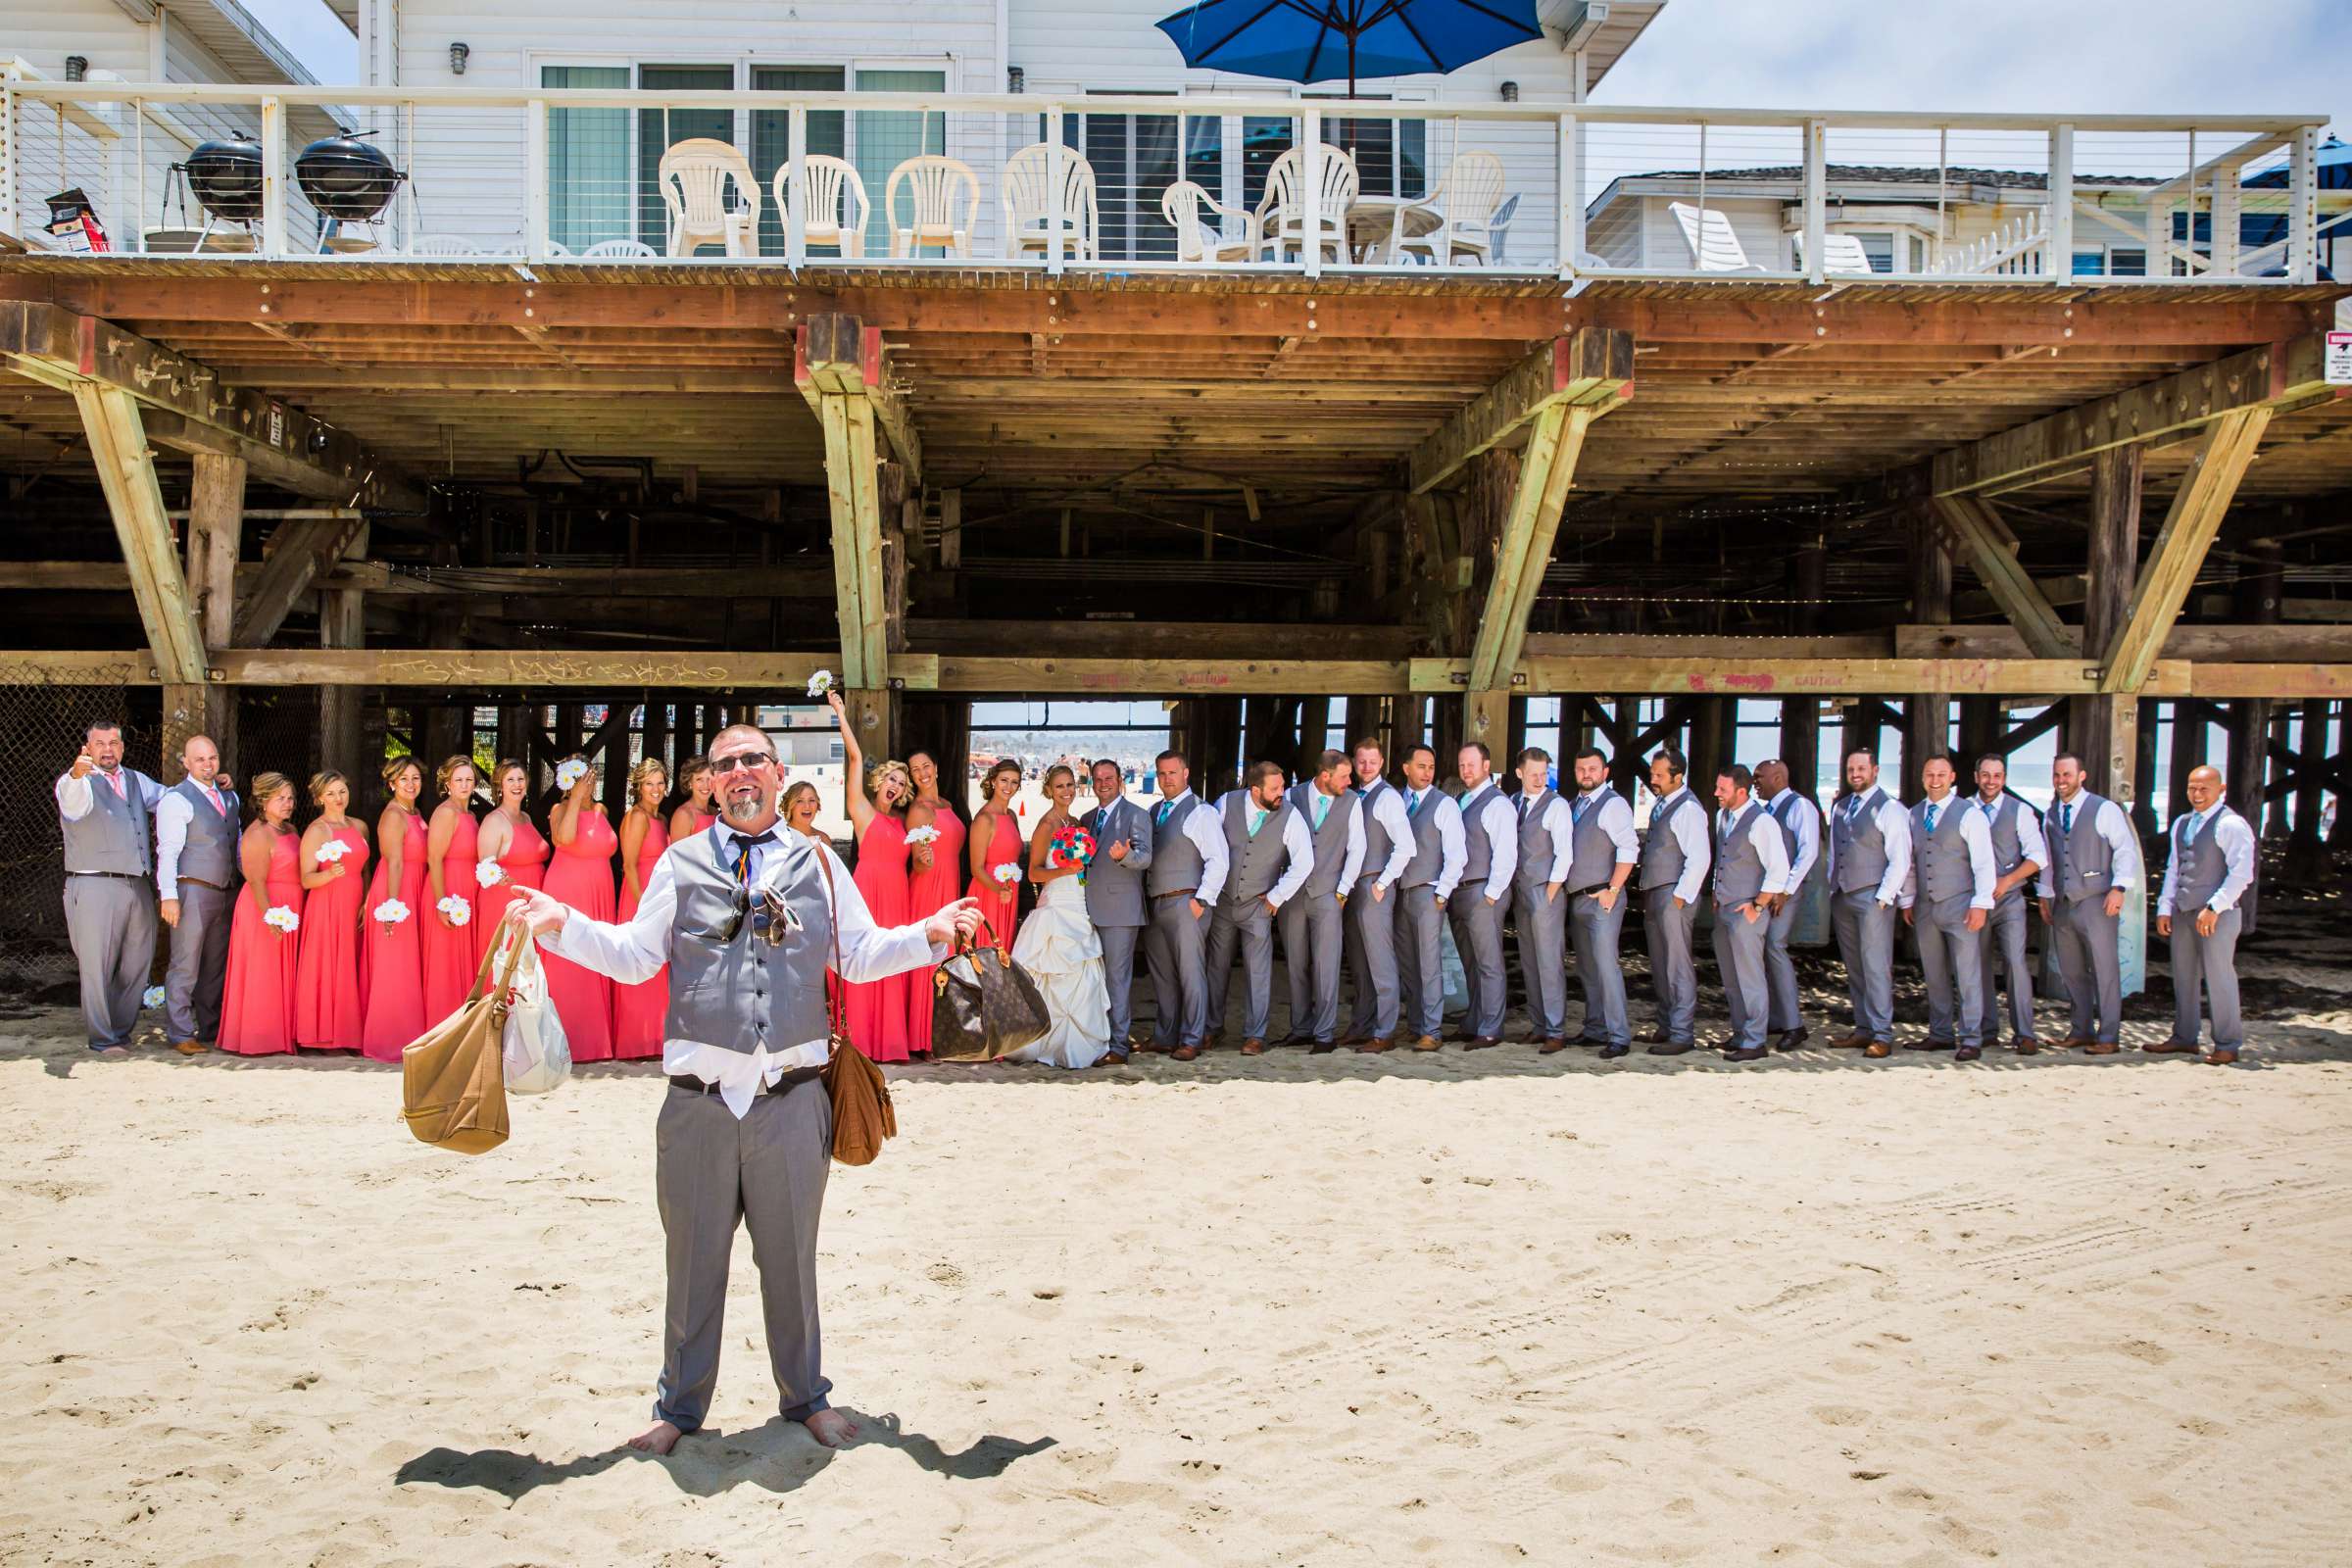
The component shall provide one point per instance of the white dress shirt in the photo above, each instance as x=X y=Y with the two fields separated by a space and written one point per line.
x=2114 y=824
x=1453 y=848
x=74 y=799
x=1208 y=834
x=172 y=815
x=634 y=950
x=1976 y=836
x=1894 y=827
x=1351 y=863
x=1697 y=844
x=1559 y=825
x=1494 y=817
x=1765 y=834
x=2235 y=840
x=1297 y=842
x=2029 y=840
x=1389 y=811
x=1617 y=821
x=1807 y=825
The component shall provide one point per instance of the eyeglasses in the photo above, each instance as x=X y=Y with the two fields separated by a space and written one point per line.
x=724 y=766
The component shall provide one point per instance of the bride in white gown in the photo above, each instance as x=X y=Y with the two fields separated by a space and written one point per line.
x=1059 y=947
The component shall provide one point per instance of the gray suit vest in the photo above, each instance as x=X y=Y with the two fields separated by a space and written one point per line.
x=1477 y=850
x=1257 y=861
x=1594 y=856
x=1661 y=851
x=1738 y=865
x=1329 y=839
x=1535 y=843
x=1176 y=863
x=2085 y=865
x=209 y=854
x=744 y=994
x=1785 y=813
x=2199 y=867
x=113 y=834
x=1114 y=889
x=1428 y=849
x=1861 y=847
x=1943 y=870
x=1377 y=843
x=2008 y=848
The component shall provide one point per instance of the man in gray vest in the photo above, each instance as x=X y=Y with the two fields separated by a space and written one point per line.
x=196 y=875
x=1604 y=853
x=1114 y=893
x=1272 y=854
x=104 y=810
x=1946 y=900
x=1675 y=857
x=2212 y=865
x=1490 y=861
x=2019 y=855
x=1799 y=820
x=1188 y=873
x=1313 y=918
x=2094 y=863
x=1869 y=859
x=1752 y=869
x=1428 y=880
x=1371 y=915
x=748 y=918
x=1546 y=849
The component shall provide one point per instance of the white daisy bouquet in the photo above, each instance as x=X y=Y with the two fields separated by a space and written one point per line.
x=488 y=872
x=331 y=851
x=459 y=911
x=152 y=996
x=391 y=911
x=917 y=837
x=278 y=917
x=1006 y=873
x=570 y=773
x=820 y=683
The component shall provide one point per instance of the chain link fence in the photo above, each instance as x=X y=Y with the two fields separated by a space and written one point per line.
x=45 y=727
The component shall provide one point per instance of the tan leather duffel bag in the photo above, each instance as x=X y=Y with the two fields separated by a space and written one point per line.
x=453 y=1085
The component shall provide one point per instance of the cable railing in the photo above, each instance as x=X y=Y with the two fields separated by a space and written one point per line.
x=611 y=175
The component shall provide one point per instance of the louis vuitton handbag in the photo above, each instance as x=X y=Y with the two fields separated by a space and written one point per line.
x=983 y=1004
x=863 y=1118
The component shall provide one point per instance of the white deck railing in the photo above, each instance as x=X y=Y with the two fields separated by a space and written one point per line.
x=522 y=177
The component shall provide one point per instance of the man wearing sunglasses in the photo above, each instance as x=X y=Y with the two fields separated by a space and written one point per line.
x=745 y=916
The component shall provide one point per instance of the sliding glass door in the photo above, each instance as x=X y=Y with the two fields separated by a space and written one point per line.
x=587 y=162
x=660 y=129
x=771 y=136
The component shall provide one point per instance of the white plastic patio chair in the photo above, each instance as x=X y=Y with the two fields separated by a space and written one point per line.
x=1841 y=255
x=607 y=250
x=1466 y=202
x=694 y=177
x=1714 y=247
x=834 y=189
x=442 y=245
x=1200 y=239
x=937 y=186
x=1280 y=222
x=1028 y=197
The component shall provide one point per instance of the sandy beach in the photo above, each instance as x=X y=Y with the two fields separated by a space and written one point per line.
x=1338 y=1309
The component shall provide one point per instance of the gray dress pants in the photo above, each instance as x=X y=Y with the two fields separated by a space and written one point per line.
x=2005 y=945
x=1251 y=928
x=1785 y=1003
x=1672 y=977
x=1420 y=960
x=1311 y=949
x=1478 y=937
x=1866 y=942
x=2091 y=961
x=711 y=1173
x=1952 y=958
x=2210 y=961
x=1543 y=957
x=1119 y=979
x=199 y=967
x=1172 y=954
x=1597 y=972
x=1739 y=961
x=111 y=922
x=1371 y=927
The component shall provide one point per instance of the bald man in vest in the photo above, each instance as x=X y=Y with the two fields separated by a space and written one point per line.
x=196 y=830
x=2212 y=865
x=105 y=813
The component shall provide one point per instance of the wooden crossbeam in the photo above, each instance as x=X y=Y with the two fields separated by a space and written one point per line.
x=110 y=417
x=2203 y=643
x=1992 y=550
x=1827 y=677
x=1590 y=366
x=835 y=353
x=303 y=550
x=2188 y=531
x=1545 y=472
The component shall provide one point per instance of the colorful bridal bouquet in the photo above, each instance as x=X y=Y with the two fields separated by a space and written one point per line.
x=917 y=837
x=1006 y=873
x=391 y=911
x=1071 y=845
x=152 y=996
x=488 y=872
x=820 y=683
x=459 y=913
x=279 y=919
x=570 y=773
x=331 y=851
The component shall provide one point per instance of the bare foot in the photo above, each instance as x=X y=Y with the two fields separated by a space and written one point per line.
x=832 y=1429
x=659 y=1438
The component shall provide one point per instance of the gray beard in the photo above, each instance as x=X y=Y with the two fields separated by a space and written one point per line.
x=748 y=810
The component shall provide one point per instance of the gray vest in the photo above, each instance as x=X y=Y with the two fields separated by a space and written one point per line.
x=743 y=994
x=2085 y=865
x=1429 y=853
x=1331 y=839
x=1944 y=873
x=1254 y=863
x=1785 y=813
x=1535 y=843
x=1114 y=890
x=209 y=854
x=1176 y=863
x=1661 y=851
x=1738 y=865
x=2199 y=868
x=1377 y=843
x=2008 y=849
x=1595 y=853
x=1860 y=847
x=1477 y=850
x=113 y=834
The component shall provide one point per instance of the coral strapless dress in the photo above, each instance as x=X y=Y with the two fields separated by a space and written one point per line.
x=392 y=963
x=879 y=1009
x=582 y=875
x=328 y=1013
x=639 y=1011
x=449 y=955
x=257 y=1003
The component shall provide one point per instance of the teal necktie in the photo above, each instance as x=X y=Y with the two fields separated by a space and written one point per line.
x=1322 y=809
x=1934 y=812
x=1413 y=804
x=1257 y=819
x=2065 y=817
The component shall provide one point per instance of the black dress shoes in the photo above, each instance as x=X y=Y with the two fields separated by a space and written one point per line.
x=1744 y=1053
x=1792 y=1039
x=1671 y=1047
x=1612 y=1053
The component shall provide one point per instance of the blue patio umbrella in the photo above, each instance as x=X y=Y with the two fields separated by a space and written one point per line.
x=1325 y=41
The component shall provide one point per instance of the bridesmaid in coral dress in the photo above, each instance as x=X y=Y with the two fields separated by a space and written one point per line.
x=449 y=955
x=581 y=876
x=391 y=962
x=800 y=808
x=879 y=1009
x=694 y=814
x=328 y=1013
x=639 y=1011
x=995 y=840
x=509 y=841
x=937 y=877
x=256 y=1005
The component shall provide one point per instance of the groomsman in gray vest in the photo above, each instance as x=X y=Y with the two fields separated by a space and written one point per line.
x=747 y=917
x=1800 y=836
x=1546 y=847
x=1188 y=873
x=2211 y=866
x=1114 y=894
x=1427 y=882
x=1371 y=915
x=1600 y=830
x=1675 y=857
x=1870 y=860
x=196 y=875
x=1752 y=869
x=1272 y=853
x=2019 y=855
x=2095 y=857
x=105 y=813
x=1312 y=919
x=1946 y=900
x=1490 y=861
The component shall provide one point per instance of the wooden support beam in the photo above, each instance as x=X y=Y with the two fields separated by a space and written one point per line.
x=859 y=593
x=110 y=417
x=2229 y=644
x=300 y=553
x=2110 y=571
x=1991 y=550
x=2188 y=531
x=1590 y=366
x=342 y=623
x=1825 y=677
x=1546 y=472
x=833 y=353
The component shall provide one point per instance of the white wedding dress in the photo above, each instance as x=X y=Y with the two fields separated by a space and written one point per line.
x=1059 y=947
